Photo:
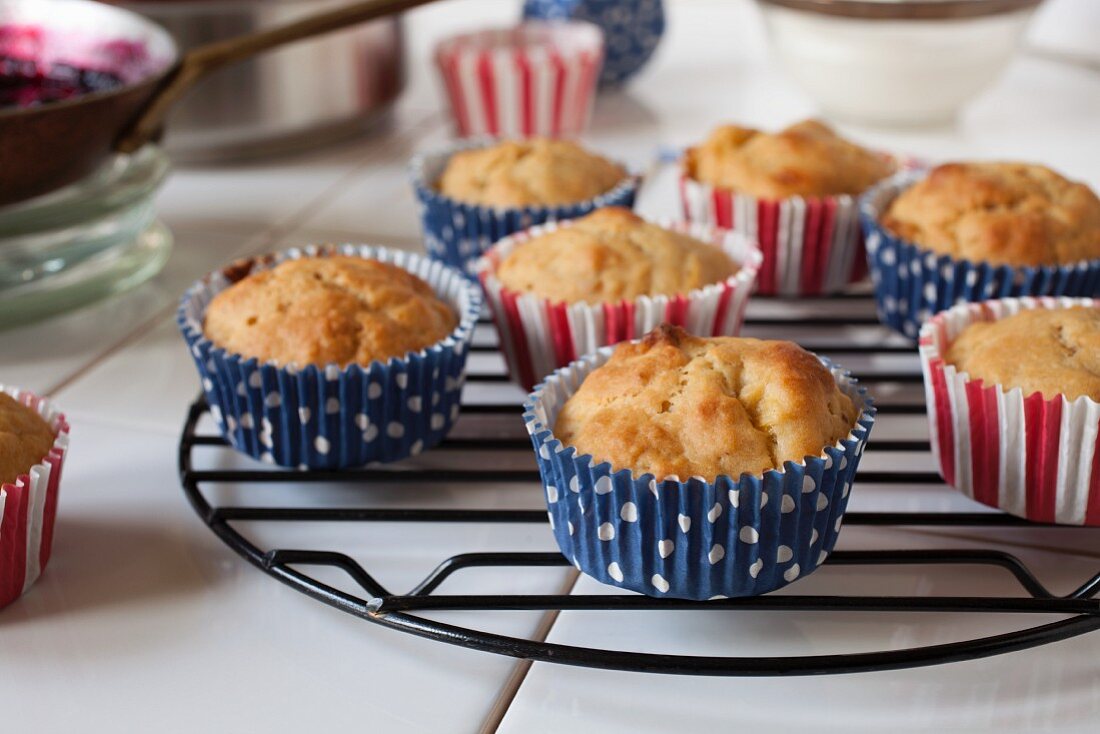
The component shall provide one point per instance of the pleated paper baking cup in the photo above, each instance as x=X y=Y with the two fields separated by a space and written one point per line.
x=1032 y=457
x=537 y=78
x=912 y=284
x=811 y=246
x=328 y=416
x=28 y=506
x=457 y=233
x=538 y=335
x=692 y=539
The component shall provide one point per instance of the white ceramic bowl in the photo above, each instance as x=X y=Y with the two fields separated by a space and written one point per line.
x=895 y=62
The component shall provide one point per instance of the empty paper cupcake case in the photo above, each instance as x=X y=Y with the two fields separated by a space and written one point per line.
x=329 y=416
x=537 y=78
x=692 y=539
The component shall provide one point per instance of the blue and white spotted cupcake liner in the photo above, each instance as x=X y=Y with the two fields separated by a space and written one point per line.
x=328 y=416
x=912 y=284
x=457 y=233
x=692 y=539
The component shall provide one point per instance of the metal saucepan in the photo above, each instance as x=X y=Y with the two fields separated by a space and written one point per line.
x=45 y=147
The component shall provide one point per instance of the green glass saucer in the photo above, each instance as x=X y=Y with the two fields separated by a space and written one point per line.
x=83 y=242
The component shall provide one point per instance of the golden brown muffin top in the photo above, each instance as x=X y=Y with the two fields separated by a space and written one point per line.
x=25 y=438
x=806 y=159
x=610 y=255
x=675 y=404
x=1053 y=351
x=534 y=172
x=1000 y=213
x=322 y=310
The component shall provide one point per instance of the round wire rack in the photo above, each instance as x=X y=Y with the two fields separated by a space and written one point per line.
x=407 y=611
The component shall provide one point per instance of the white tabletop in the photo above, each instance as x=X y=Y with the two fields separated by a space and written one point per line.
x=144 y=621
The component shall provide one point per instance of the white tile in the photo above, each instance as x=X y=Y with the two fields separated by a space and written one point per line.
x=1047 y=689
x=144 y=614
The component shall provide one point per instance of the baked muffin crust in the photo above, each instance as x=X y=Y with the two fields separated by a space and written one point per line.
x=610 y=255
x=322 y=310
x=805 y=159
x=534 y=172
x=25 y=438
x=1002 y=213
x=1049 y=351
x=675 y=404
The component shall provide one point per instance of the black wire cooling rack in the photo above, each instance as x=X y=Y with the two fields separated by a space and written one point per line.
x=404 y=611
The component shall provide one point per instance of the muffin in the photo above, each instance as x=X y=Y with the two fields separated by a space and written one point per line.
x=792 y=191
x=25 y=437
x=1048 y=351
x=677 y=405
x=34 y=439
x=328 y=310
x=1013 y=403
x=695 y=468
x=535 y=172
x=476 y=193
x=805 y=159
x=564 y=289
x=1014 y=214
x=332 y=357
x=610 y=255
x=976 y=231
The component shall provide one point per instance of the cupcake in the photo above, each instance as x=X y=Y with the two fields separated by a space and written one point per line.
x=34 y=440
x=565 y=289
x=1013 y=391
x=791 y=191
x=331 y=357
x=536 y=78
x=698 y=468
x=975 y=231
x=479 y=192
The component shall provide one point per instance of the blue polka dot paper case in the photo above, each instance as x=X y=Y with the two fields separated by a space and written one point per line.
x=632 y=30
x=912 y=284
x=458 y=233
x=327 y=416
x=693 y=539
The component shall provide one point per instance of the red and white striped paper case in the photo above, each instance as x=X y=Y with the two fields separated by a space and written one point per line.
x=538 y=78
x=1032 y=457
x=537 y=336
x=811 y=246
x=28 y=507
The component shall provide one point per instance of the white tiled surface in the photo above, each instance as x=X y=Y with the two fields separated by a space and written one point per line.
x=145 y=621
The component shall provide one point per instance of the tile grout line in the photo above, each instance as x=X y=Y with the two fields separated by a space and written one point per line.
x=512 y=685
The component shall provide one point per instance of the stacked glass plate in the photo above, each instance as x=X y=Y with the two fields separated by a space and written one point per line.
x=93 y=238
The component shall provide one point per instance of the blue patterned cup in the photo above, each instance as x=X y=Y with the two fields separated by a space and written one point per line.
x=458 y=233
x=912 y=284
x=692 y=539
x=331 y=416
x=632 y=29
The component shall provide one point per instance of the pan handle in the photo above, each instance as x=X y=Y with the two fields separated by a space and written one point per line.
x=197 y=63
